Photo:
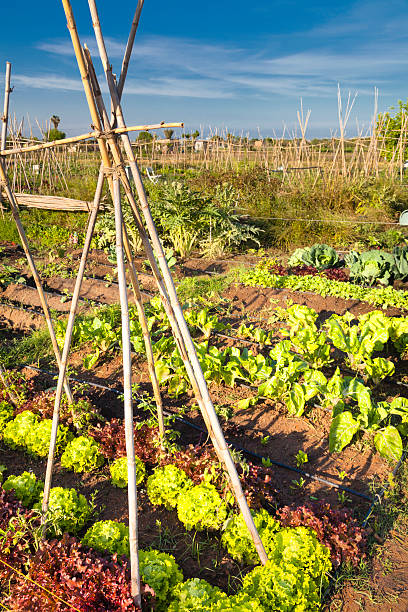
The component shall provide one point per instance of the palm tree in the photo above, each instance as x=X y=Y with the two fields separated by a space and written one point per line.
x=168 y=134
x=55 y=120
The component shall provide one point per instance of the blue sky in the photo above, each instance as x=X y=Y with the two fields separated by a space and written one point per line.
x=241 y=66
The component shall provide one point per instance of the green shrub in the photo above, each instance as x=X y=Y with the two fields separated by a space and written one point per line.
x=110 y=536
x=160 y=571
x=82 y=454
x=67 y=511
x=201 y=508
x=26 y=488
x=16 y=431
x=166 y=484
x=38 y=439
x=119 y=475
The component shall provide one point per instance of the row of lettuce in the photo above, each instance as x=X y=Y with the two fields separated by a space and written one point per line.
x=303 y=544
x=295 y=576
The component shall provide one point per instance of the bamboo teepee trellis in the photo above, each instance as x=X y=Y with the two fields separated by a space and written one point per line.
x=113 y=140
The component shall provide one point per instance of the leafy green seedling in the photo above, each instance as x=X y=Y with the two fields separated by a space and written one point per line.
x=266 y=462
x=343 y=498
x=301 y=458
x=265 y=440
x=298 y=484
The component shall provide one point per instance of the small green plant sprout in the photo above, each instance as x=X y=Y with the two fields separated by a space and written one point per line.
x=342 y=475
x=343 y=498
x=298 y=484
x=301 y=458
x=266 y=462
x=265 y=440
x=2 y=470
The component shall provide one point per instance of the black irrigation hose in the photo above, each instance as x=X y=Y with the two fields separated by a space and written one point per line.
x=232 y=444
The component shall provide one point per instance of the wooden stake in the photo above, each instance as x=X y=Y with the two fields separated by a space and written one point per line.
x=7 y=91
x=127 y=389
x=146 y=334
x=149 y=252
x=67 y=344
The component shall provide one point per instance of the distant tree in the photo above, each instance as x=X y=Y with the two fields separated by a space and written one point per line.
x=185 y=135
x=195 y=134
x=168 y=134
x=55 y=134
x=144 y=137
x=55 y=120
x=390 y=128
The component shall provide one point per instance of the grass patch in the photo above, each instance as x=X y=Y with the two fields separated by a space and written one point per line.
x=204 y=286
x=33 y=348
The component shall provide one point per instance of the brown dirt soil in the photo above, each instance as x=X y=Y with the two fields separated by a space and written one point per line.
x=265 y=430
x=28 y=296
x=387 y=588
x=19 y=320
x=256 y=298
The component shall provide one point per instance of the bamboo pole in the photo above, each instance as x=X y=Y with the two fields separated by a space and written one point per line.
x=209 y=408
x=129 y=47
x=67 y=344
x=4 y=118
x=146 y=335
x=95 y=134
x=149 y=252
x=14 y=211
x=127 y=388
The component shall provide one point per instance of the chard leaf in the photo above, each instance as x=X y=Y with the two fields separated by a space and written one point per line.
x=295 y=401
x=388 y=443
x=342 y=430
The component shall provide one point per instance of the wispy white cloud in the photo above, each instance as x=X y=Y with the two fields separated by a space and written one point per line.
x=182 y=67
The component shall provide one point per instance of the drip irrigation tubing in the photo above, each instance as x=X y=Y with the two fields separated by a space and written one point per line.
x=232 y=444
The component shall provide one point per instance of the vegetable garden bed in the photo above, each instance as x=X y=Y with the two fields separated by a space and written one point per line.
x=236 y=342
